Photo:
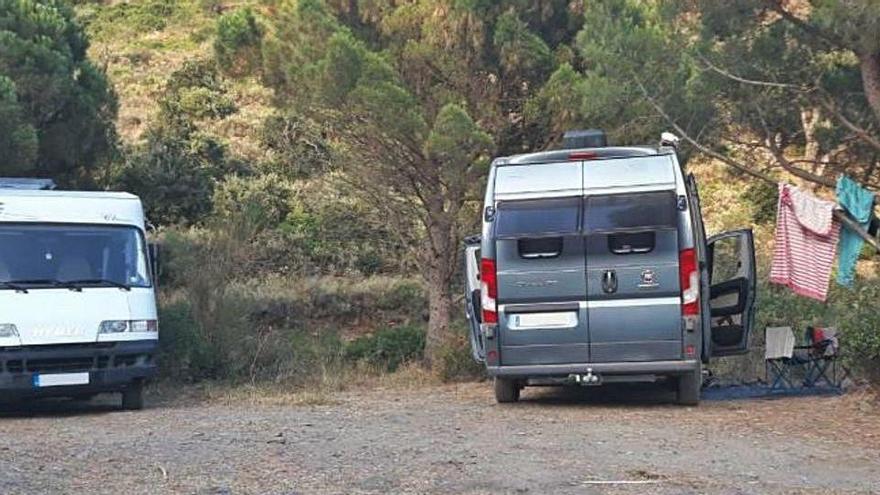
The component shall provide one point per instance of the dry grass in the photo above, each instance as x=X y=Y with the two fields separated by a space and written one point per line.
x=138 y=63
x=325 y=388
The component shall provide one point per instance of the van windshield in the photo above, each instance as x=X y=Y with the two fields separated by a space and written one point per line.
x=38 y=256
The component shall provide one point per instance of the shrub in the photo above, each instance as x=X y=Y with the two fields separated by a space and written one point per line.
x=133 y=17
x=184 y=353
x=297 y=146
x=269 y=194
x=339 y=235
x=238 y=43
x=456 y=361
x=390 y=347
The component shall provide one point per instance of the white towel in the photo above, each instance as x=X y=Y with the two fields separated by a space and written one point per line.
x=779 y=343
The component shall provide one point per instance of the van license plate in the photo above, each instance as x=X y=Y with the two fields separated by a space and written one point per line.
x=526 y=321
x=60 y=379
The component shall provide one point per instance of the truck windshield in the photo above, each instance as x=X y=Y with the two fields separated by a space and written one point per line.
x=76 y=256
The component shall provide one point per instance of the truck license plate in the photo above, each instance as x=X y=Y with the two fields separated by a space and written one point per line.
x=60 y=379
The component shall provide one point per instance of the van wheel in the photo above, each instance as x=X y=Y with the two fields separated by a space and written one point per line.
x=506 y=390
x=689 y=386
x=133 y=397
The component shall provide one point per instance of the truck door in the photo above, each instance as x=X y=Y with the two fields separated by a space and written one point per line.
x=732 y=289
x=696 y=215
x=539 y=253
x=633 y=286
x=472 y=296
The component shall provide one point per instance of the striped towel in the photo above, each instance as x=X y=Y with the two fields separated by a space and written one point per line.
x=806 y=238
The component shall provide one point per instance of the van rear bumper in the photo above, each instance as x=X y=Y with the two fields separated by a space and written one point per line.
x=111 y=366
x=678 y=367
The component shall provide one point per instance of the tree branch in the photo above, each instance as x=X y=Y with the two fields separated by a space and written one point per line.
x=776 y=6
x=702 y=148
x=779 y=155
x=744 y=80
x=859 y=131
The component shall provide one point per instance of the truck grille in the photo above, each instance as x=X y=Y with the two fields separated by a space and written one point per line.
x=59 y=364
x=78 y=358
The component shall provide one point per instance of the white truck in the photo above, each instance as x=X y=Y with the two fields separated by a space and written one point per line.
x=77 y=295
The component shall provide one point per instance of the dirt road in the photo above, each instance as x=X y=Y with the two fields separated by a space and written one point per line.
x=450 y=439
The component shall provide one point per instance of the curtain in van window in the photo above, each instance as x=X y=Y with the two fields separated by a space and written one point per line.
x=616 y=212
x=536 y=218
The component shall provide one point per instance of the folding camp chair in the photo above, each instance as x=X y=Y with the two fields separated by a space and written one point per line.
x=823 y=363
x=778 y=354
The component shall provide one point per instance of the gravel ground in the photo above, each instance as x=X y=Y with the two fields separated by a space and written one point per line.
x=446 y=439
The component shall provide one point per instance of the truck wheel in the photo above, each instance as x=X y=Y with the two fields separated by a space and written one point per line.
x=506 y=390
x=689 y=385
x=133 y=397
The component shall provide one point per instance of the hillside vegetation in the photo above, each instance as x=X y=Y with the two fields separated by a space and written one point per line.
x=314 y=165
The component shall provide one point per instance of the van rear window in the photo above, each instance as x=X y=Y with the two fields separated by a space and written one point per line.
x=536 y=218
x=612 y=212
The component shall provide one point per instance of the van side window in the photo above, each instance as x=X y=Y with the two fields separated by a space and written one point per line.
x=544 y=247
x=631 y=243
x=537 y=218
x=630 y=212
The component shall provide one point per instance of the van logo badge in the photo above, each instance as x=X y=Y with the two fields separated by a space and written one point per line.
x=649 y=280
x=536 y=284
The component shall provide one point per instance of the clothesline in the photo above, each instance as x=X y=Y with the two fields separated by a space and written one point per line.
x=843 y=217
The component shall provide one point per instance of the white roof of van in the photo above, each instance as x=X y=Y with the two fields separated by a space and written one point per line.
x=67 y=194
x=638 y=173
x=91 y=207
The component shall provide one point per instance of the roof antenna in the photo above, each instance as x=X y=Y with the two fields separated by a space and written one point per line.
x=669 y=139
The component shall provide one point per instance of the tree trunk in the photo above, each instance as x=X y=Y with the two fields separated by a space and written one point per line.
x=869 y=63
x=439 y=311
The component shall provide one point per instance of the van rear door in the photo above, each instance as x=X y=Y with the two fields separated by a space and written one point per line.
x=633 y=287
x=732 y=279
x=540 y=269
x=472 y=296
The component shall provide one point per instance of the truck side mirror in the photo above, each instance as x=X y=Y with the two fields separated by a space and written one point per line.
x=153 y=249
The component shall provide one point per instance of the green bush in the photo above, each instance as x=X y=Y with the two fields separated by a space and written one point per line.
x=389 y=348
x=269 y=194
x=457 y=363
x=141 y=16
x=238 y=43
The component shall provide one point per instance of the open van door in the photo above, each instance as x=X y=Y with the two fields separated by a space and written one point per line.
x=730 y=261
x=472 y=296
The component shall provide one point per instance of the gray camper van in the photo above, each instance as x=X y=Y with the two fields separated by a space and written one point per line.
x=593 y=267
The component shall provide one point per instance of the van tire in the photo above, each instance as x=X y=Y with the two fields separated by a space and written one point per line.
x=689 y=386
x=506 y=390
x=133 y=397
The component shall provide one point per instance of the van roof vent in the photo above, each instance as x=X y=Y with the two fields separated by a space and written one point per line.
x=585 y=138
x=28 y=184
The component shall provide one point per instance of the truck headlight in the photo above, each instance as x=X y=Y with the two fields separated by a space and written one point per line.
x=143 y=326
x=122 y=326
x=8 y=330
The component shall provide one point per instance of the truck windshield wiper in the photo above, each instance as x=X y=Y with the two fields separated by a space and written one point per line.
x=18 y=285
x=13 y=286
x=77 y=284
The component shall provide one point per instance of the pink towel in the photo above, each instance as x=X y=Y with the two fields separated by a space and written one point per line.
x=806 y=239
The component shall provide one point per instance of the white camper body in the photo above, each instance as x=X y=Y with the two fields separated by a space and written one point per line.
x=77 y=295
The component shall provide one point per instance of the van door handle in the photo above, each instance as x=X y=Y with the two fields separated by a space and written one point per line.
x=609 y=282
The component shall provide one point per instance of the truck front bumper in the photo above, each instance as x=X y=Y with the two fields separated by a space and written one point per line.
x=111 y=367
x=623 y=369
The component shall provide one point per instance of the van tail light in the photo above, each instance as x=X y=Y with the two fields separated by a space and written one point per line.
x=690 y=282
x=488 y=291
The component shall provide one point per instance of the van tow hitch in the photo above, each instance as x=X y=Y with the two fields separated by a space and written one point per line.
x=586 y=380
